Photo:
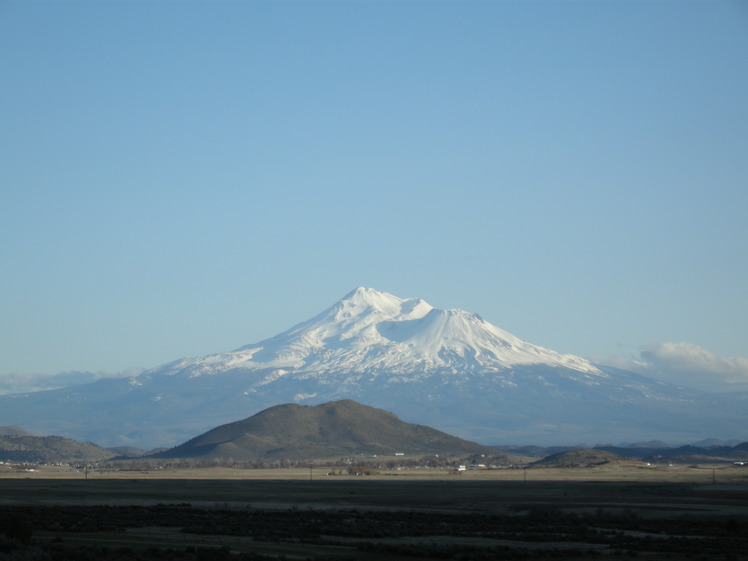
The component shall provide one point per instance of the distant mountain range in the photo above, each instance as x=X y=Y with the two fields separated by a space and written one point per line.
x=448 y=369
x=331 y=430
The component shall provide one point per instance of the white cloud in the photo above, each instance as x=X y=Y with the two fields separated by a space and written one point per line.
x=689 y=365
x=19 y=382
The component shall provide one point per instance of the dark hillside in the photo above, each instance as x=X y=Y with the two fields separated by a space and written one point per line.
x=330 y=430
x=49 y=449
x=578 y=458
x=682 y=454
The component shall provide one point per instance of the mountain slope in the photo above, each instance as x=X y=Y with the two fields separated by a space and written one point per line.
x=330 y=430
x=448 y=369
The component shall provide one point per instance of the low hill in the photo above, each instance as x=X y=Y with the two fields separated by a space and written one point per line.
x=683 y=454
x=330 y=430
x=578 y=458
x=26 y=448
x=131 y=451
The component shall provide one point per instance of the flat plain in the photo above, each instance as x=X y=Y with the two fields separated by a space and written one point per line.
x=623 y=511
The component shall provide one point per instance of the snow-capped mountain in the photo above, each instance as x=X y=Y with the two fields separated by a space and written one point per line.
x=449 y=369
x=375 y=332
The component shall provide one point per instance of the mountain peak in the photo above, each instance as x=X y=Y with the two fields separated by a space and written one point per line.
x=369 y=331
x=363 y=297
x=365 y=293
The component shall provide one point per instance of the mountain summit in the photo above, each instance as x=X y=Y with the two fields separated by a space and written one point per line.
x=371 y=332
x=448 y=369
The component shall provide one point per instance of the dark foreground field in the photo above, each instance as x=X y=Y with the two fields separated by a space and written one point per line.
x=370 y=519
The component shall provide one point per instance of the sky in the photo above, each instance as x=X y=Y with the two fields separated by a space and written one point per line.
x=179 y=178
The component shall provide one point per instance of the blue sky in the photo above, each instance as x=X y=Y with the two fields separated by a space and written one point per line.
x=181 y=178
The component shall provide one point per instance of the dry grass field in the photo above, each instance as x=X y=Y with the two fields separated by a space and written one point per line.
x=617 y=512
x=617 y=471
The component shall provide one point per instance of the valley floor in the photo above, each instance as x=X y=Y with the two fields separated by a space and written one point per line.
x=622 y=471
x=687 y=513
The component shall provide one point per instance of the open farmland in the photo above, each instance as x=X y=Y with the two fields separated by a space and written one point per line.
x=620 y=512
x=719 y=472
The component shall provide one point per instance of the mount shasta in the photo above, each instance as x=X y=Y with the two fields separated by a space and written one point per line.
x=449 y=369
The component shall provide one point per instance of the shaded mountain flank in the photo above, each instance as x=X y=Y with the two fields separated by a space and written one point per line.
x=330 y=430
